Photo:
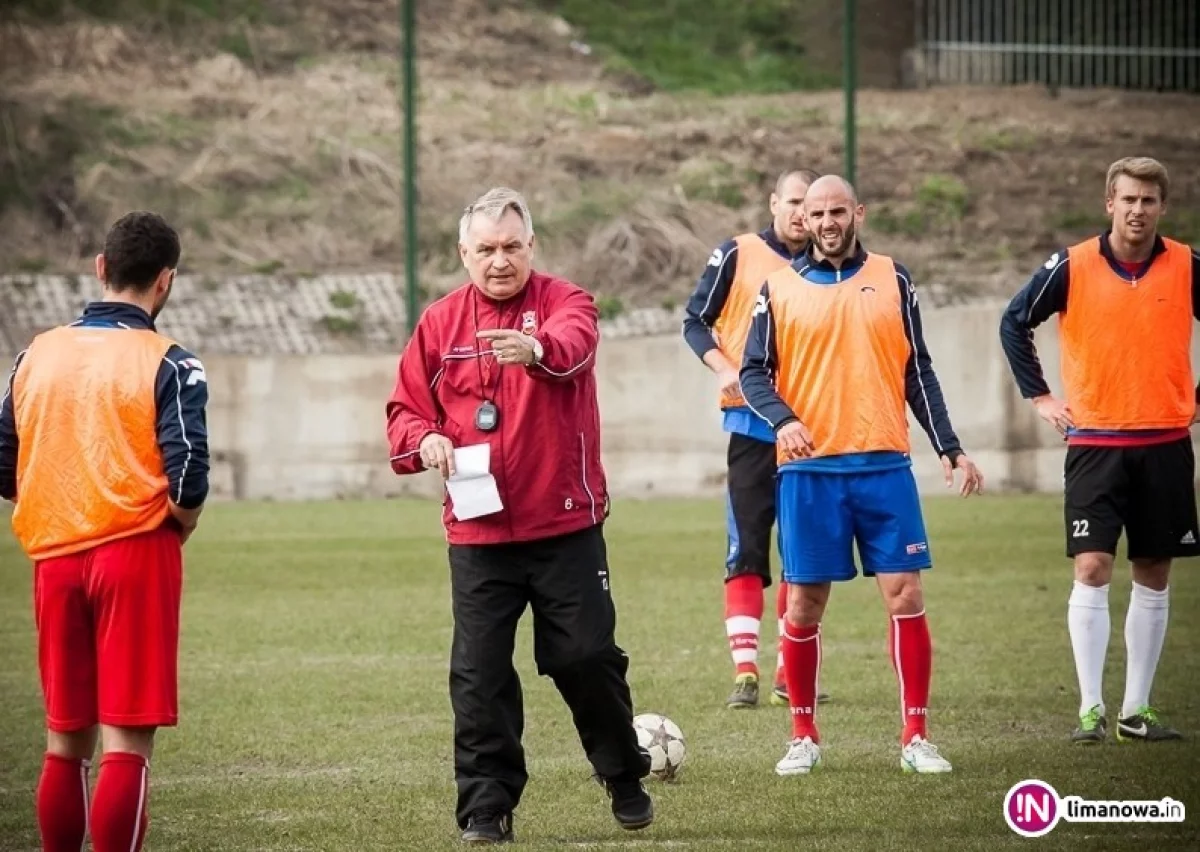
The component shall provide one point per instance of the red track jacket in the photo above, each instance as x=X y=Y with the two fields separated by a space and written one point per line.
x=545 y=450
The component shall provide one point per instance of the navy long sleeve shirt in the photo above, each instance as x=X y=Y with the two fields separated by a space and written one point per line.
x=181 y=396
x=704 y=308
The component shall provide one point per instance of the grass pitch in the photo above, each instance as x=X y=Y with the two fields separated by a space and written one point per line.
x=316 y=717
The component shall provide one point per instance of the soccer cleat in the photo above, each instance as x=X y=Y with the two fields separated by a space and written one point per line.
x=921 y=756
x=803 y=756
x=779 y=696
x=631 y=804
x=745 y=692
x=1092 y=727
x=1145 y=725
x=487 y=826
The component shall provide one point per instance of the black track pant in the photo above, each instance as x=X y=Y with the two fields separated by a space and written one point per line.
x=565 y=580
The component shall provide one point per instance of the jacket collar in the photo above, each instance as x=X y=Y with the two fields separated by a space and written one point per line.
x=119 y=314
x=1106 y=249
x=853 y=262
x=772 y=239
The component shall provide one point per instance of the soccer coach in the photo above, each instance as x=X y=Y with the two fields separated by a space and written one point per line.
x=508 y=360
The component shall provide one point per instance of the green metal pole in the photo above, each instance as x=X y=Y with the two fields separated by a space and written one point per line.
x=409 y=26
x=850 y=86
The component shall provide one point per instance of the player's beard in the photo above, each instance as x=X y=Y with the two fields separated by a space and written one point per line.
x=843 y=246
x=162 y=304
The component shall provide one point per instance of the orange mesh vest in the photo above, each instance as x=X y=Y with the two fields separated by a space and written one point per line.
x=1126 y=346
x=842 y=355
x=755 y=261
x=89 y=469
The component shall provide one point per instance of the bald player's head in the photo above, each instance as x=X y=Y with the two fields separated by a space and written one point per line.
x=834 y=184
x=833 y=216
x=804 y=177
x=787 y=201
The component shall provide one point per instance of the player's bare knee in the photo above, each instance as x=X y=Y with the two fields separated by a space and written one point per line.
x=75 y=745
x=1152 y=573
x=806 y=603
x=129 y=740
x=902 y=593
x=1093 y=569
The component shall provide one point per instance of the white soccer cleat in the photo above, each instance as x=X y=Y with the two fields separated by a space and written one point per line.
x=803 y=756
x=922 y=756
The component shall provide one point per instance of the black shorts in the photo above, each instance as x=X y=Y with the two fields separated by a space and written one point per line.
x=1147 y=491
x=750 y=507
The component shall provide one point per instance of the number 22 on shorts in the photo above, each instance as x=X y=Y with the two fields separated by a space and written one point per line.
x=1079 y=528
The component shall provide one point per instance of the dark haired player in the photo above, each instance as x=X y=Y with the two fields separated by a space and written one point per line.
x=103 y=448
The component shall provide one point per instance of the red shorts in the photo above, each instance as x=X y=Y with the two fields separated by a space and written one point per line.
x=108 y=633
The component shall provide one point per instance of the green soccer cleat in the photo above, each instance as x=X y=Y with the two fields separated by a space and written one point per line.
x=745 y=693
x=1145 y=725
x=1092 y=728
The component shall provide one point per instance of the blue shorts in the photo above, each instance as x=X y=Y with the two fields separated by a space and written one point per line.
x=822 y=516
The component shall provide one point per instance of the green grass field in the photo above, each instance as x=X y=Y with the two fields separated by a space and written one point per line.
x=315 y=713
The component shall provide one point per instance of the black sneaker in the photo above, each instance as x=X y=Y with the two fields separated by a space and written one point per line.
x=1093 y=727
x=745 y=693
x=488 y=826
x=1145 y=725
x=631 y=804
x=779 y=695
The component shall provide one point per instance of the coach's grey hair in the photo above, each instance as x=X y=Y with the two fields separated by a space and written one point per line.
x=494 y=204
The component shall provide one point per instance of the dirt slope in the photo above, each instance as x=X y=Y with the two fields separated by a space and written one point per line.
x=282 y=152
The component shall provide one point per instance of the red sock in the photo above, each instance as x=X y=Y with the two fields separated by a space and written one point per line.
x=62 y=803
x=780 y=612
x=119 y=818
x=802 y=663
x=911 y=650
x=743 y=615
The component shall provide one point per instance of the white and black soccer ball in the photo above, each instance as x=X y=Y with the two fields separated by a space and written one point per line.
x=663 y=739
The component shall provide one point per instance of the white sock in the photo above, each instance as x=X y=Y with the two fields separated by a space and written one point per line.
x=1145 y=627
x=1089 y=624
x=742 y=631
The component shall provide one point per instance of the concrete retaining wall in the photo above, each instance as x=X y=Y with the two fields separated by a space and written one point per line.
x=297 y=427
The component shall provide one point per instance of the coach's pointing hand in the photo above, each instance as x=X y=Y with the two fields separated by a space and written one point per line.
x=972 y=477
x=511 y=346
x=437 y=451
x=795 y=440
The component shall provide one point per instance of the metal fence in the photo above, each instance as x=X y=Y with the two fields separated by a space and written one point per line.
x=1135 y=44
